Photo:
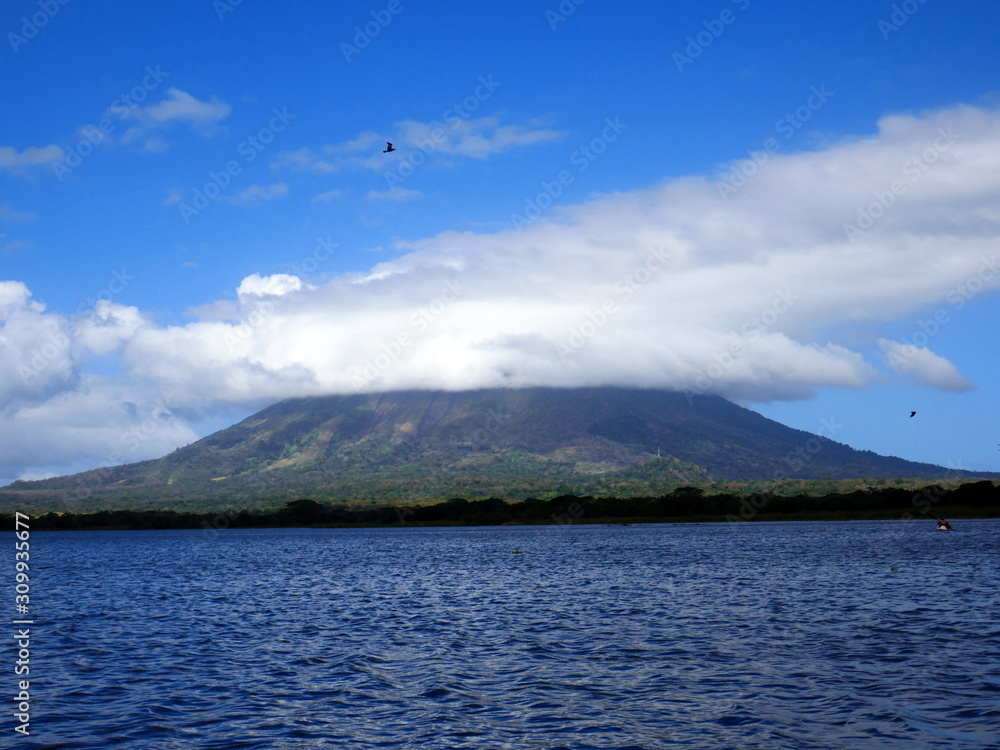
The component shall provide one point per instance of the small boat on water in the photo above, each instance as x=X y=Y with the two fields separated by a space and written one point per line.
x=942 y=527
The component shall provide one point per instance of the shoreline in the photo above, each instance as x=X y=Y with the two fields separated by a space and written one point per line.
x=683 y=505
x=196 y=522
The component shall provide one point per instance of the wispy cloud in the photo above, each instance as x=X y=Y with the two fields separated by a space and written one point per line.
x=30 y=158
x=255 y=195
x=174 y=196
x=394 y=194
x=9 y=213
x=181 y=106
x=328 y=197
x=475 y=139
x=455 y=137
x=307 y=160
x=926 y=367
x=203 y=117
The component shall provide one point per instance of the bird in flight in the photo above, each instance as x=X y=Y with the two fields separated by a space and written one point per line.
x=913 y=414
x=390 y=148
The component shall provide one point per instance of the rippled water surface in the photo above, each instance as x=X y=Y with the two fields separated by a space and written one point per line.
x=768 y=635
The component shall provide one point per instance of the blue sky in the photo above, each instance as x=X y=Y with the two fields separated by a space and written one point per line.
x=582 y=193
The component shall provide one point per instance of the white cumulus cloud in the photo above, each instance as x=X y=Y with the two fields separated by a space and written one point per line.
x=758 y=293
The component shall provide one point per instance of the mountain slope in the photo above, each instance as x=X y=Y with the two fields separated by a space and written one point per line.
x=423 y=446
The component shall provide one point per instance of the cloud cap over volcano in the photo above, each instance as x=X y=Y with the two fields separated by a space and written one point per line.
x=764 y=292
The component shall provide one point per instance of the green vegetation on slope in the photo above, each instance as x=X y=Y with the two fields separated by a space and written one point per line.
x=424 y=447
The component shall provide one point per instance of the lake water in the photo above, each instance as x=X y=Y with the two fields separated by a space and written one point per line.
x=767 y=635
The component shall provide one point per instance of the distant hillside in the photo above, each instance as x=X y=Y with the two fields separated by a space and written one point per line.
x=424 y=446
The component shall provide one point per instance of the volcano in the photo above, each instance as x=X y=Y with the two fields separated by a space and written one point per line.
x=428 y=446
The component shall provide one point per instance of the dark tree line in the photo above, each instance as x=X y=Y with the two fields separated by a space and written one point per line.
x=685 y=503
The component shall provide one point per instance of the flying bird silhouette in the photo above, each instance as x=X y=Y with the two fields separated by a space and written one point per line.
x=386 y=151
x=913 y=414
